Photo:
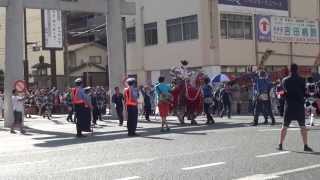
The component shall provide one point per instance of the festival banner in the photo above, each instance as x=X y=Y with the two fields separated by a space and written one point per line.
x=284 y=29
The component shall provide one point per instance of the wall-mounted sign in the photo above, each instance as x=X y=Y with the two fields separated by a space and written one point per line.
x=265 y=7
x=294 y=30
x=284 y=29
x=263 y=28
x=52 y=32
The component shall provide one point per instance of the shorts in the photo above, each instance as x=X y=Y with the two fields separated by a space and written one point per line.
x=287 y=122
x=17 y=117
x=164 y=109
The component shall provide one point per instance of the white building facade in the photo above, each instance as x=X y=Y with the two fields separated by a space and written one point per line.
x=211 y=35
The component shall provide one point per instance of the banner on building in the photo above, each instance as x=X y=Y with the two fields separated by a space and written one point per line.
x=263 y=28
x=265 y=7
x=52 y=32
x=284 y=29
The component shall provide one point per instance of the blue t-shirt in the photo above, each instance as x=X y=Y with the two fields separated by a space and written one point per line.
x=163 y=88
x=207 y=91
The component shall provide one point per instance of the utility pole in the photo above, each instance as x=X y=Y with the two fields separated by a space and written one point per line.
x=26 y=62
x=53 y=62
x=124 y=35
x=65 y=47
x=291 y=43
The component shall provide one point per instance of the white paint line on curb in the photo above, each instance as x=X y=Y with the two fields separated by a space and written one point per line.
x=279 y=174
x=130 y=178
x=135 y=161
x=273 y=154
x=203 y=166
x=23 y=164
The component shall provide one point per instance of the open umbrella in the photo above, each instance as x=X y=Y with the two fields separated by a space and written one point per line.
x=220 y=78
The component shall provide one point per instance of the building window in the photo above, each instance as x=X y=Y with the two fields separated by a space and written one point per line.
x=236 y=70
x=72 y=60
x=184 y=28
x=151 y=34
x=131 y=34
x=95 y=59
x=236 y=26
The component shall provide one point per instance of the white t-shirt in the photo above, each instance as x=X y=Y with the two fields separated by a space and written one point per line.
x=17 y=103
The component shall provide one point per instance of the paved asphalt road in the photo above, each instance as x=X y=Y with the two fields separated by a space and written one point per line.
x=230 y=149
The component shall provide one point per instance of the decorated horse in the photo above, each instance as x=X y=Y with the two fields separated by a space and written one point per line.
x=187 y=93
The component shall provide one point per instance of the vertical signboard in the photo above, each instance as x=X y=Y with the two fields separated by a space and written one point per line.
x=265 y=7
x=263 y=28
x=52 y=32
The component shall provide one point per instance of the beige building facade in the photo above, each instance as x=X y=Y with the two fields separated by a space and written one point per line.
x=212 y=39
x=34 y=38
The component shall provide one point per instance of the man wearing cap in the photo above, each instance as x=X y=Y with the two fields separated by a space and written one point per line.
x=81 y=103
x=131 y=95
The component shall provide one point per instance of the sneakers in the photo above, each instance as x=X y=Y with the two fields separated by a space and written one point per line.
x=13 y=132
x=254 y=124
x=80 y=136
x=162 y=130
x=307 y=148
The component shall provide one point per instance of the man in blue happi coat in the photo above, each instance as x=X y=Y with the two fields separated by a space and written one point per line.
x=262 y=87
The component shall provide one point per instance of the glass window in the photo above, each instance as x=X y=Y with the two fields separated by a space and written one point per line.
x=248 y=30
x=131 y=34
x=184 y=28
x=174 y=30
x=95 y=59
x=241 y=69
x=228 y=69
x=224 y=29
x=72 y=60
x=236 y=30
x=151 y=34
x=236 y=26
x=190 y=27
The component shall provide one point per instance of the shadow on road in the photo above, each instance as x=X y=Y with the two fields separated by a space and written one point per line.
x=310 y=153
x=59 y=139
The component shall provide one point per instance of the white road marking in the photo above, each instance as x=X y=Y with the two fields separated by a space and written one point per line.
x=23 y=164
x=270 y=130
x=129 y=178
x=279 y=174
x=35 y=151
x=203 y=166
x=272 y=154
x=258 y=177
x=134 y=161
x=199 y=152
